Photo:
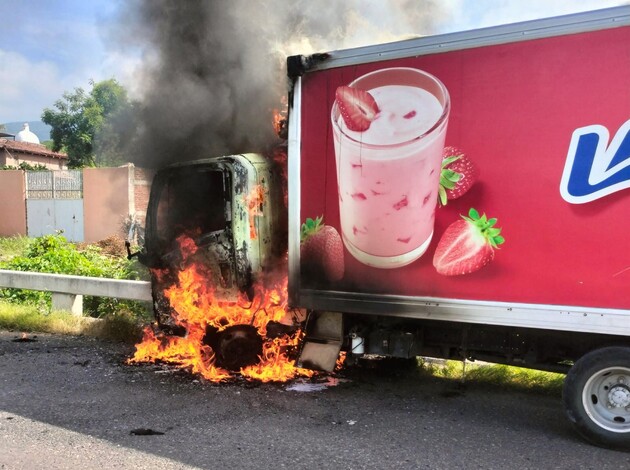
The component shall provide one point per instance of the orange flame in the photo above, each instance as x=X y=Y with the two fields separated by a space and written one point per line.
x=275 y=366
x=254 y=201
x=196 y=306
x=188 y=353
x=341 y=360
x=279 y=119
x=187 y=246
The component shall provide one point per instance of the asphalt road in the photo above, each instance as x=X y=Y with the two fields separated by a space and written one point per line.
x=72 y=402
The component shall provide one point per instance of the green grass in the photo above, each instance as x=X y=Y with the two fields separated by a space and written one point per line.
x=13 y=246
x=497 y=375
x=28 y=318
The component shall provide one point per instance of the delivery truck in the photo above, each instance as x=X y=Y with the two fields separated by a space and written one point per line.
x=461 y=196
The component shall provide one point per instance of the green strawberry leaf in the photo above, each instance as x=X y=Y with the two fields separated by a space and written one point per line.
x=442 y=195
x=448 y=178
x=310 y=227
x=485 y=227
x=493 y=232
x=451 y=175
x=448 y=160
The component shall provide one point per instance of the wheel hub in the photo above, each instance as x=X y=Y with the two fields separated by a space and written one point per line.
x=619 y=396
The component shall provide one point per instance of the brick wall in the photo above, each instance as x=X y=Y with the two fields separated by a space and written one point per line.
x=142 y=179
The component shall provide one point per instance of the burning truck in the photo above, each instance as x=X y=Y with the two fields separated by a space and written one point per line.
x=215 y=243
x=454 y=196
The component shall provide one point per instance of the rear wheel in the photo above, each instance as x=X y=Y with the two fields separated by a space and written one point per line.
x=596 y=397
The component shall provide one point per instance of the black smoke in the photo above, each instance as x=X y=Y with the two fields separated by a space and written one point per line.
x=213 y=71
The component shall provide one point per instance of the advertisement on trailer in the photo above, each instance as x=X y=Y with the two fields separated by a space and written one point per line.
x=495 y=173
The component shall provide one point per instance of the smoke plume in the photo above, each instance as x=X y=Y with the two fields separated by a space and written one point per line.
x=213 y=71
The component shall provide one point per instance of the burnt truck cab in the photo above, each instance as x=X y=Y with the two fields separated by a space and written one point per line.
x=232 y=207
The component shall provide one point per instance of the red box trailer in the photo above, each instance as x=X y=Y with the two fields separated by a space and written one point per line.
x=542 y=110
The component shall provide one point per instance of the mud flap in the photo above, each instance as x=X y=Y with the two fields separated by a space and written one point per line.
x=323 y=341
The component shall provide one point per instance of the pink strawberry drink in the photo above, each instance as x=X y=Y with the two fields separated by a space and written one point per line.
x=388 y=174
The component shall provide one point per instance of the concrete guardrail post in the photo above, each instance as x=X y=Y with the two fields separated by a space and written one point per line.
x=72 y=303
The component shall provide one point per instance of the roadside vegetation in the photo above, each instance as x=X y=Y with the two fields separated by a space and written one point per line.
x=28 y=319
x=11 y=247
x=29 y=311
x=496 y=375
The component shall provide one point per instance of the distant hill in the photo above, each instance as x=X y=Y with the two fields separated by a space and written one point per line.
x=41 y=130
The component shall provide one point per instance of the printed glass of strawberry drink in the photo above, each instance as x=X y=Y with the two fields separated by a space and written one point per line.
x=389 y=128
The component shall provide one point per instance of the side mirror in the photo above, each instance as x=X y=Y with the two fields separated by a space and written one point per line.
x=129 y=253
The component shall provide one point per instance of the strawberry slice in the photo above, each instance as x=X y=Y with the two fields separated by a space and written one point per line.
x=459 y=173
x=467 y=245
x=357 y=107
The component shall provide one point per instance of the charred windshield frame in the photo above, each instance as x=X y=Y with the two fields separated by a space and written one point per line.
x=195 y=201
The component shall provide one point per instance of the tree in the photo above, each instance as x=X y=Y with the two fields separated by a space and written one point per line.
x=80 y=117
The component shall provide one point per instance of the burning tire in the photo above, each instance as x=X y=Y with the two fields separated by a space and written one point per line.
x=236 y=346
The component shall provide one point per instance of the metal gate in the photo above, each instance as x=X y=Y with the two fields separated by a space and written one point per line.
x=54 y=203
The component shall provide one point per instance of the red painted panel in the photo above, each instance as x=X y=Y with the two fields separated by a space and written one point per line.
x=514 y=108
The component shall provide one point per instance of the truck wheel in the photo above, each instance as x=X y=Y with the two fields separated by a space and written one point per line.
x=596 y=397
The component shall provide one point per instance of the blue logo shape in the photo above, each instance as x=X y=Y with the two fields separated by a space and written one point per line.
x=593 y=168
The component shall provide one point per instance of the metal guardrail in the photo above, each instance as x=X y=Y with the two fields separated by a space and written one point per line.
x=67 y=291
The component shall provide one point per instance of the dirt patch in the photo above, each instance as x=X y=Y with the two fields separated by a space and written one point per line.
x=111 y=246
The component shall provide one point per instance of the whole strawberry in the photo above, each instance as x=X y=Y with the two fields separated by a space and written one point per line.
x=467 y=245
x=459 y=173
x=357 y=107
x=321 y=250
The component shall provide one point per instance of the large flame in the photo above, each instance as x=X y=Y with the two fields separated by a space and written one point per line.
x=196 y=307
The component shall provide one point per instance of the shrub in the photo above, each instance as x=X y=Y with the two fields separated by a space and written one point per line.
x=26 y=167
x=54 y=254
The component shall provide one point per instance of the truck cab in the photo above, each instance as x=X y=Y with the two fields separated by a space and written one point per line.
x=231 y=208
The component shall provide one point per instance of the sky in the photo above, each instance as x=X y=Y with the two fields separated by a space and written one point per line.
x=48 y=47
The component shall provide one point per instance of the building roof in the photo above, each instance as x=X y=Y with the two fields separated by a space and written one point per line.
x=32 y=149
